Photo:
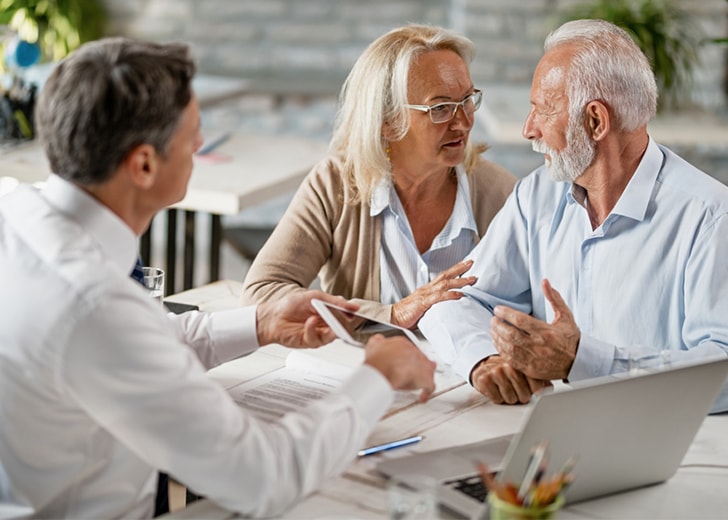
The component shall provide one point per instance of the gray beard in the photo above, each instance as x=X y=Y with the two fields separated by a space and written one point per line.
x=568 y=165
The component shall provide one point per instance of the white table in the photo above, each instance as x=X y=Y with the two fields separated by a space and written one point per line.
x=244 y=170
x=459 y=416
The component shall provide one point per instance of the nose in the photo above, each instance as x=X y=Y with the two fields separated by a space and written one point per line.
x=461 y=117
x=530 y=130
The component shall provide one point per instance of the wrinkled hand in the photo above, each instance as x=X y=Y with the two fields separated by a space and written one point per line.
x=501 y=383
x=407 y=312
x=546 y=350
x=402 y=364
x=293 y=322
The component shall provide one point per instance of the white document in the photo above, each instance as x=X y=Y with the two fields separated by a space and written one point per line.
x=312 y=374
x=303 y=379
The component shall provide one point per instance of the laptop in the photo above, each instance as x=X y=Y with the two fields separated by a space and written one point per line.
x=626 y=430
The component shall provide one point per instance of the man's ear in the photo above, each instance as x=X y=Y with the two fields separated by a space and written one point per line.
x=597 y=120
x=142 y=164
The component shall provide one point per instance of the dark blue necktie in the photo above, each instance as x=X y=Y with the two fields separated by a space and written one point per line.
x=138 y=273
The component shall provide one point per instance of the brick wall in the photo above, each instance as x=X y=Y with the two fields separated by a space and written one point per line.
x=292 y=42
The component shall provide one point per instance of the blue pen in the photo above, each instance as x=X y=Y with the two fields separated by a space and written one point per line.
x=491 y=309
x=212 y=144
x=390 y=445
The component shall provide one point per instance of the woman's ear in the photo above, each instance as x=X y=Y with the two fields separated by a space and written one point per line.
x=597 y=120
x=387 y=131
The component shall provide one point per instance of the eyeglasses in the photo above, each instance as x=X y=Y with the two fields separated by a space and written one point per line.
x=444 y=112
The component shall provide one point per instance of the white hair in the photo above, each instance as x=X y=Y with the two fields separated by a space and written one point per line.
x=610 y=67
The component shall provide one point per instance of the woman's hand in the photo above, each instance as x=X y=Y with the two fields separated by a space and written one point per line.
x=407 y=312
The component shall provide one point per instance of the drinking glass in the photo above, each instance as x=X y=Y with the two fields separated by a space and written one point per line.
x=154 y=282
x=412 y=497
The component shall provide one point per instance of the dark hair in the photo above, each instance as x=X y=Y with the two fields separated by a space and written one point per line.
x=107 y=97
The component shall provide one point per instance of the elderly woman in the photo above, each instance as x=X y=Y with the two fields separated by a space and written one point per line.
x=388 y=217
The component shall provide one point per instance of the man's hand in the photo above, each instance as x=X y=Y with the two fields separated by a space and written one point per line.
x=402 y=364
x=408 y=311
x=540 y=350
x=501 y=383
x=293 y=322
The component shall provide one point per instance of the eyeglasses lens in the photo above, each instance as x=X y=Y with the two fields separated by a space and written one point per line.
x=444 y=112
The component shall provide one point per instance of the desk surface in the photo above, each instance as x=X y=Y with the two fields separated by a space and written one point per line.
x=247 y=169
x=459 y=416
x=244 y=170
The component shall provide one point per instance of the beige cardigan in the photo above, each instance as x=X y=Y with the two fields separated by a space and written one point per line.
x=321 y=236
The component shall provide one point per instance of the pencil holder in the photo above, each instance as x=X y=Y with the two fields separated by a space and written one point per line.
x=502 y=510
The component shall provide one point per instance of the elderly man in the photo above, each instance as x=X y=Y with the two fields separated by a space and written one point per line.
x=99 y=389
x=633 y=237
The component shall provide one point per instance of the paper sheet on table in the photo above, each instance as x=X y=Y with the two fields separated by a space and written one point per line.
x=305 y=378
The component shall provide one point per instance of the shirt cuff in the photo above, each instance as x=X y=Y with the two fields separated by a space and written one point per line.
x=594 y=358
x=469 y=356
x=370 y=393
x=234 y=332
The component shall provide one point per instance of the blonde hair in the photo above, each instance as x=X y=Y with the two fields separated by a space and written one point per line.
x=375 y=92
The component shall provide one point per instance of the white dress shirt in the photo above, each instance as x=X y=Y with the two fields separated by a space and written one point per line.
x=652 y=277
x=99 y=388
x=403 y=269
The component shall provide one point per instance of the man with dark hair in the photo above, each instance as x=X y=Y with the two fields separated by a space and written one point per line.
x=99 y=389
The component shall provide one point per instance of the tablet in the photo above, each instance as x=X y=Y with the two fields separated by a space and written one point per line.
x=179 y=308
x=354 y=328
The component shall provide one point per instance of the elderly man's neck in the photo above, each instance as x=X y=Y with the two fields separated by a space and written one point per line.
x=616 y=161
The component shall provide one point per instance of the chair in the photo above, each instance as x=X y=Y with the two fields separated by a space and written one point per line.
x=247 y=240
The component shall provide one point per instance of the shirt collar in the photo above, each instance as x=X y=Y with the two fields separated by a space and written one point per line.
x=635 y=199
x=114 y=237
x=462 y=213
x=383 y=197
x=380 y=198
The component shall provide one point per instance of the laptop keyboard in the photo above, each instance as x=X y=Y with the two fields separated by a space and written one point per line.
x=472 y=486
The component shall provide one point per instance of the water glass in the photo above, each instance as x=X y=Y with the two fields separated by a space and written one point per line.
x=412 y=497
x=154 y=282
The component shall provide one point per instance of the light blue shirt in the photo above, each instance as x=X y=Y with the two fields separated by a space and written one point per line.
x=652 y=277
x=402 y=268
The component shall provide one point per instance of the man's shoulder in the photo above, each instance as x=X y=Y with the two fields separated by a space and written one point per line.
x=539 y=185
x=687 y=181
x=43 y=246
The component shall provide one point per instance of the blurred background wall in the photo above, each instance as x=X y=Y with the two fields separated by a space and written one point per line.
x=299 y=52
x=295 y=54
x=311 y=44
